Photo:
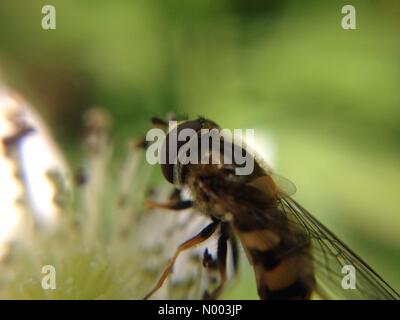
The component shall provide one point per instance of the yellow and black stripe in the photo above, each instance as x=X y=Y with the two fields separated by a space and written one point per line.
x=282 y=265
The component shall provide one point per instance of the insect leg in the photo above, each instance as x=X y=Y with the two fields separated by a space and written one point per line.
x=172 y=205
x=176 y=195
x=199 y=238
x=221 y=260
x=235 y=253
x=175 y=202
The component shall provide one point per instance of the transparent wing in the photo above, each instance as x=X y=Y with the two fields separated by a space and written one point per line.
x=285 y=186
x=330 y=255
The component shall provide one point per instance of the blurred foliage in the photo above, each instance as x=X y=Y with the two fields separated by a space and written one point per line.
x=327 y=96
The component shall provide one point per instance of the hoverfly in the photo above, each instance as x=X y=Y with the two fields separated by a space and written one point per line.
x=292 y=254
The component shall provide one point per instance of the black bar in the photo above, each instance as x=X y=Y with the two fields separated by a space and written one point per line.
x=229 y=309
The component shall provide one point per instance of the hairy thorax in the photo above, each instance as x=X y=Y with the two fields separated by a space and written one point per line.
x=209 y=192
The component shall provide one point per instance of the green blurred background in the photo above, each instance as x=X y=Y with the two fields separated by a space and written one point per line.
x=327 y=97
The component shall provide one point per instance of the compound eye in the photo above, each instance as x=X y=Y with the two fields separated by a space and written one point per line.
x=167 y=168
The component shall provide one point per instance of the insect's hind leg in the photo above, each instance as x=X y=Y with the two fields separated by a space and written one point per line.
x=222 y=249
x=197 y=239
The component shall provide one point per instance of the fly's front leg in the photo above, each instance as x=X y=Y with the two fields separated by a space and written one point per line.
x=197 y=239
x=172 y=205
x=222 y=250
x=175 y=202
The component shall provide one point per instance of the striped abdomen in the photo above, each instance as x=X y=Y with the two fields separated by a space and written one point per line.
x=281 y=260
